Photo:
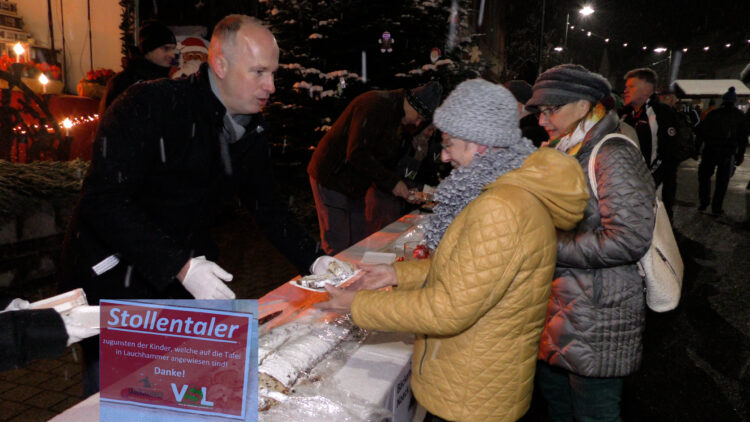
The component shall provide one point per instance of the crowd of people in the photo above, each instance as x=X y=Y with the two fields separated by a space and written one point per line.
x=532 y=280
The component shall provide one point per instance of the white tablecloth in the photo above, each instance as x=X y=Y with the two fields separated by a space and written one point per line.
x=373 y=370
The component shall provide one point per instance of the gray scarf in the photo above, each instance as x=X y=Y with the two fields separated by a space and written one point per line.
x=465 y=183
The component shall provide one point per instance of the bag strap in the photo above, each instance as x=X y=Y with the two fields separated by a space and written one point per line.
x=592 y=159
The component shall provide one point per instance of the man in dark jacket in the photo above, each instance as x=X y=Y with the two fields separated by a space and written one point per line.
x=527 y=121
x=723 y=134
x=657 y=127
x=357 y=158
x=157 y=48
x=165 y=156
x=27 y=334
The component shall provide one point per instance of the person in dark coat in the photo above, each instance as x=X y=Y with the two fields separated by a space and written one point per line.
x=157 y=50
x=657 y=127
x=723 y=135
x=527 y=121
x=27 y=334
x=357 y=158
x=166 y=155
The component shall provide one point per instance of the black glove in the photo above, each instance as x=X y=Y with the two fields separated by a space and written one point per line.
x=739 y=160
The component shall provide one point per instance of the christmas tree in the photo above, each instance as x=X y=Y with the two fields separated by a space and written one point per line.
x=334 y=50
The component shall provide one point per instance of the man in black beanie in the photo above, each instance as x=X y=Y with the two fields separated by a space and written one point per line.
x=156 y=51
x=528 y=122
x=352 y=172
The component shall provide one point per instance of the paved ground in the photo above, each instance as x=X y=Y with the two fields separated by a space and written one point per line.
x=696 y=363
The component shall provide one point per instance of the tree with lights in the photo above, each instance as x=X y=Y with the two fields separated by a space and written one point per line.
x=332 y=51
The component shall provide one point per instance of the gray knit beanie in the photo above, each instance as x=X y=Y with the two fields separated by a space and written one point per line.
x=481 y=112
x=565 y=84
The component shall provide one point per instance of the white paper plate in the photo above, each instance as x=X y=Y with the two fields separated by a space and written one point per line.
x=88 y=316
x=295 y=283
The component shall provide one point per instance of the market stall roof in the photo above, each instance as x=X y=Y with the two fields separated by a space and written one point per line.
x=708 y=87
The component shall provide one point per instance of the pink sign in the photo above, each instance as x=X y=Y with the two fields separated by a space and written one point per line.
x=184 y=359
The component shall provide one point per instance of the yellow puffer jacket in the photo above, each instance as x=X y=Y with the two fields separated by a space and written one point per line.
x=479 y=315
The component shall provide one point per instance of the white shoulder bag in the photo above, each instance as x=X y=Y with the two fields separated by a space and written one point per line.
x=661 y=266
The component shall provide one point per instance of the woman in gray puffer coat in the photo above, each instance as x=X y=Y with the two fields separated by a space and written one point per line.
x=596 y=313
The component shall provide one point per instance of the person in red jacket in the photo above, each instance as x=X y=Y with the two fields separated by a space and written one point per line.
x=353 y=166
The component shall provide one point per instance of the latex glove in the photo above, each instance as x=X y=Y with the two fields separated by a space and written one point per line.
x=205 y=280
x=81 y=322
x=375 y=277
x=320 y=266
x=17 y=305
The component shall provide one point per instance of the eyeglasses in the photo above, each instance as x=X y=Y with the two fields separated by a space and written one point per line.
x=549 y=110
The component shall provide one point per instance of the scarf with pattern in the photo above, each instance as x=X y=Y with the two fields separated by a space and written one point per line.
x=571 y=143
x=464 y=184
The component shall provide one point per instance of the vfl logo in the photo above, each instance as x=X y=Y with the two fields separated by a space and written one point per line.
x=192 y=395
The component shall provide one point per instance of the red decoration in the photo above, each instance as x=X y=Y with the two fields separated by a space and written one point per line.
x=421 y=252
x=99 y=76
x=52 y=71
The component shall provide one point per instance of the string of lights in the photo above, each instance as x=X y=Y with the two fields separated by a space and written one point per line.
x=659 y=47
x=66 y=124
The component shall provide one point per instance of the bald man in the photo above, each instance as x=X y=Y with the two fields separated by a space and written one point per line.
x=166 y=156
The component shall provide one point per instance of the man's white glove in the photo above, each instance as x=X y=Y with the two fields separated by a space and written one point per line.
x=17 y=305
x=81 y=322
x=320 y=266
x=204 y=280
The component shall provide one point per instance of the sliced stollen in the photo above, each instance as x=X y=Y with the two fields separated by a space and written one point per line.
x=269 y=342
x=280 y=370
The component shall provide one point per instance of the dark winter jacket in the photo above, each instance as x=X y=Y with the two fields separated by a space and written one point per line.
x=530 y=129
x=724 y=131
x=363 y=146
x=596 y=313
x=668 y=142
x=155 y=185
x=29 y=334
x=137 y=70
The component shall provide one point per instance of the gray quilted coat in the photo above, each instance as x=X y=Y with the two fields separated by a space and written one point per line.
x=596 y=313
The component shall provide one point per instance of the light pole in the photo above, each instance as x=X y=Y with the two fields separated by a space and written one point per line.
x=541 y=41
x=585 y=11
x=567 y=26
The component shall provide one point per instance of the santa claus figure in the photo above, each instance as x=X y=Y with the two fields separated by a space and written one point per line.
x=193 y=52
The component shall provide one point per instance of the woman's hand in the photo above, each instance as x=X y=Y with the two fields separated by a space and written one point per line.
x=339 y=300
x=374 y=277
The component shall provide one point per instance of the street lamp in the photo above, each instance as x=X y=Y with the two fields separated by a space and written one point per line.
x=584 y=11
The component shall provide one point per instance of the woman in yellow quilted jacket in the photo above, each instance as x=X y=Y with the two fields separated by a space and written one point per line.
x=477 y=305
